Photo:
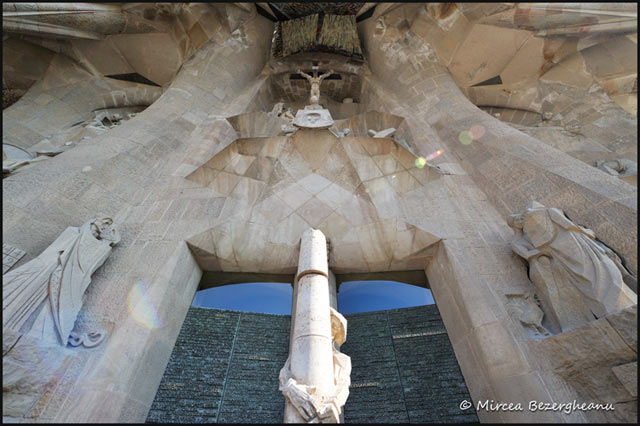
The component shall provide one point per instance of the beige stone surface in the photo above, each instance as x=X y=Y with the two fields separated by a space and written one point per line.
x=471 y=65
x=434 y=88
x=573 y=275
x=628 y=376
x=313 y=119
x=59 y=276
x=321 y=181
x=204 y=179
x=623 y=323
x=588 y=358
x=313 y=254
x=316 y=376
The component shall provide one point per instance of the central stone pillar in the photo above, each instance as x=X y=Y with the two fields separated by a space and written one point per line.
x=314 y=377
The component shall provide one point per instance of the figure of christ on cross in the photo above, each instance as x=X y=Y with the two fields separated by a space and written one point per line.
x=315 y=84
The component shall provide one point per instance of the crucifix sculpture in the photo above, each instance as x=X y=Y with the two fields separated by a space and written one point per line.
x=315 y=81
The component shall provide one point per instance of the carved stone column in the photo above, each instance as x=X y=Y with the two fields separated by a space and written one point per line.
x=308 y=379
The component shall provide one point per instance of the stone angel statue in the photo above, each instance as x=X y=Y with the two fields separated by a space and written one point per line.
x=43 y=297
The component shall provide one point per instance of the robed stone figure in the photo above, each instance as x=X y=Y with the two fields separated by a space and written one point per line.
x=43 y=297
x=576 y=280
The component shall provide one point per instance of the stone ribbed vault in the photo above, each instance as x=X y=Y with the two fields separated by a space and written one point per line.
x=354 y=189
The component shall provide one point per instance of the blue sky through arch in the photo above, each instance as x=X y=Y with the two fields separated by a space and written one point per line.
x=368 y=296
x=268 y=298
x=275 y=298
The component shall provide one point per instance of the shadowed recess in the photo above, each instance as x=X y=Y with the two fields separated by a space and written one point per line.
x=297 y=9
x=216 y=279
x=133 y=77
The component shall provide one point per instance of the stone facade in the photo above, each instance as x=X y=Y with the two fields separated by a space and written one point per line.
x=404 y=369
x=202 y=178
x=224 y=368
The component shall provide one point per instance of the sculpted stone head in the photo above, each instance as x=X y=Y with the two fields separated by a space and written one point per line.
x=535 y=223
x=515 y=221
x=338 y=327
x=104 y=229
x=532 y=212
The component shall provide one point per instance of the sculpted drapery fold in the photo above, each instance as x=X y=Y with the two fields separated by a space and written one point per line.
x=43 y=297
x=575 y=277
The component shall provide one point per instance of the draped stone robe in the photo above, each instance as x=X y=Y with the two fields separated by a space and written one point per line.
x=43 y=297
x=573 y=274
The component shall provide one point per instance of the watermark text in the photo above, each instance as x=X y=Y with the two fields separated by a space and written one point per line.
x=534 y=406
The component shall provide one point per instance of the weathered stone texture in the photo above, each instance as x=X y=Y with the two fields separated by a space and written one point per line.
x=376 y=389
x=180 y=171
x=404 y=369
x=599 y=360
x=10 y=256
x=224 y=368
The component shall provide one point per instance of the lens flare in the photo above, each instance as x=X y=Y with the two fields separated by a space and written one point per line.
x=420 y=162
x=436 y=154
x=465 y=137
x=46 y=351
x=477 y=131
x=140 y=307
x=393 y=176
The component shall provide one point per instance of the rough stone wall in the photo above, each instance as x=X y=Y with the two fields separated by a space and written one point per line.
x=403 y=369
x=575 y=81
x=136 y=174
x=127 y=173
x=498 y=175
x=599 y=360
x=225 y=365
x=511 y=168
x=64 y=97
x=224 y=368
